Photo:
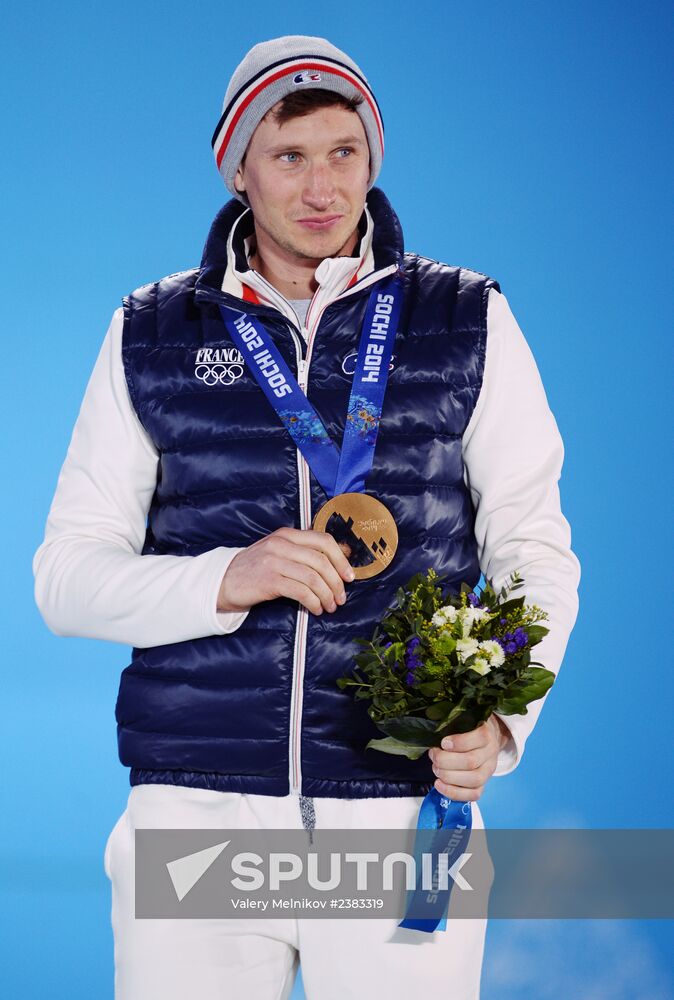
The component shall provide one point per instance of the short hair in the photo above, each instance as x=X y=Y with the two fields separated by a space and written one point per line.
x=303 y=102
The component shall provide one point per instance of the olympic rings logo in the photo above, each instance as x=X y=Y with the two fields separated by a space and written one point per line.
x=218 y=374
x=349 y=364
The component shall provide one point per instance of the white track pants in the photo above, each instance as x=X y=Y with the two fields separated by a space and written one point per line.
x=257 y=959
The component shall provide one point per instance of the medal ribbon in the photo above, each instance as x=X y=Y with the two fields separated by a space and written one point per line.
x=426 y=908
x=337 y=471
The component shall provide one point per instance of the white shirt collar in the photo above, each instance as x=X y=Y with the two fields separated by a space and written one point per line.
x=334 y=274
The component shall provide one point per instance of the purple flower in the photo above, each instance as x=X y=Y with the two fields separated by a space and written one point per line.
x=387 y=645
x=520 y=637
x=474 y=600
x=512 y=642
x=411 y=659
x=503 y=621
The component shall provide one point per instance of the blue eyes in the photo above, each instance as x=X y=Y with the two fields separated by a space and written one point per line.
x=342 y=154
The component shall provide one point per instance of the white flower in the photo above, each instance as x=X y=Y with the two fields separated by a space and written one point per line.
x=493 y=651
x=469 y=615
x=466 y=648
x=480 y=666
x=444 y=616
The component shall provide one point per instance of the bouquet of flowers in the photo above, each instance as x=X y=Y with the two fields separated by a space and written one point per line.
x=441 y=663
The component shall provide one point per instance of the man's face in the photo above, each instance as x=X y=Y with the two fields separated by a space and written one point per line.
x=306 y=181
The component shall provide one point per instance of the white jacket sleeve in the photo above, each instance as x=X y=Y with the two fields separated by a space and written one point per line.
x=90 y=578
x=513 y=455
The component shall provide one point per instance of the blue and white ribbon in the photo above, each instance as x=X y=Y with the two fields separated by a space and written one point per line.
x=427 y=906
x=337 y=471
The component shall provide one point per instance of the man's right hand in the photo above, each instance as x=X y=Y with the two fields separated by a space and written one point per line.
x=306 y=566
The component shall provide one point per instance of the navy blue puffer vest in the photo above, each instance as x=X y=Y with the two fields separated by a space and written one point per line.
x=258 y=710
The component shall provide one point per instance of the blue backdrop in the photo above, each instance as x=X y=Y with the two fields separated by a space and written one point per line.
x=522 y=139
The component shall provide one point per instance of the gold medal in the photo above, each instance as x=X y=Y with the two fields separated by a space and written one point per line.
x=364 y=529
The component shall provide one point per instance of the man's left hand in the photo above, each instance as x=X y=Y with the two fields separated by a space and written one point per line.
x=464 y=770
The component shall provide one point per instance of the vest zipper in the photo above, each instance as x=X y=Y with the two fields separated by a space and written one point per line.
x=299 y=650
x=304 y=483
x=300 y=647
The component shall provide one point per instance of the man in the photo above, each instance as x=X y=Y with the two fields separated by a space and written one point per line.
x=182 y=524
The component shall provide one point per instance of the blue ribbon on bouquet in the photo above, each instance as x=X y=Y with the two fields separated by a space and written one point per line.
x=452 y=821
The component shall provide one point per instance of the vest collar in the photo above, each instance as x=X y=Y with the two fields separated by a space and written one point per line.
x=224 y=264
x=334 y=274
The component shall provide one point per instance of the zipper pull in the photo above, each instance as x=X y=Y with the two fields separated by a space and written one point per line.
x=301 y=371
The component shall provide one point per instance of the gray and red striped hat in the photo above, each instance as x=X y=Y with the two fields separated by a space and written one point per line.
x=271 y=71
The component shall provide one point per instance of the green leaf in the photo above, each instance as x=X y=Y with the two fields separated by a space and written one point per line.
x=536 y=633
x=512 y=605
x=532 y=685
x=430 y=688
x=439 y=710
x=390 y=745
x=410 y=729
x=464 y=722
x=455 y=712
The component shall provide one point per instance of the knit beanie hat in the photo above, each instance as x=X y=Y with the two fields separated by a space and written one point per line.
x=282 y=66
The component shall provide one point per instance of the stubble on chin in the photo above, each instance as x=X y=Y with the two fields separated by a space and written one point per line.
x=311 y=250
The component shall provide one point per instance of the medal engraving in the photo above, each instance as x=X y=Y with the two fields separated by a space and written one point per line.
x=364 y=529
